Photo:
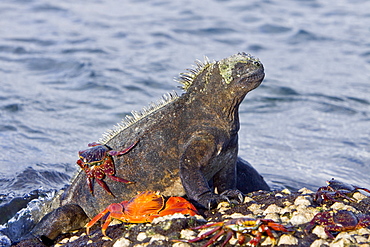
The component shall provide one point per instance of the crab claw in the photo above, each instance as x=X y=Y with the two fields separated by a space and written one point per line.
x=177 y=204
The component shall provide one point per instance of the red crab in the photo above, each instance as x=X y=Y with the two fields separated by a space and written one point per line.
x=341 y=220
x=254 y=227
x=97 y=162
x=336 y=189
x=143 y=208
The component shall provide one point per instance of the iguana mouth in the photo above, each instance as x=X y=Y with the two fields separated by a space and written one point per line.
x=255 y=76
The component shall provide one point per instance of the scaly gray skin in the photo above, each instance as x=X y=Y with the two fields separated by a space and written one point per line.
x=188 y=144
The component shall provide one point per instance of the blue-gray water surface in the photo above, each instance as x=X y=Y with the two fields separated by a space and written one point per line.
x=70 y=70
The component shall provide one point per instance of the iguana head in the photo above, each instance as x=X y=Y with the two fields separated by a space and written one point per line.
x=242 y=68
x=233 y=76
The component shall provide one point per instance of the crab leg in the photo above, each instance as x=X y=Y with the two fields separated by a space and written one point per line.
x=228 y=237
x=276 y=227
x=105 y=186
x=359 y=188
x=254 y=241
x=90 y=184
x=124 y=151
x=214 y=238
x=106 y=224
x=96 y=219
x=203 y=236
x=208 y=225
x=118 y=179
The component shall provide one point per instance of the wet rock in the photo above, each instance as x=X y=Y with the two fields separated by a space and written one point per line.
x=63 y=219
x=4 y=241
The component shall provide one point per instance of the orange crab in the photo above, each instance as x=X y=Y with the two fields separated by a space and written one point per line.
x=143 y=208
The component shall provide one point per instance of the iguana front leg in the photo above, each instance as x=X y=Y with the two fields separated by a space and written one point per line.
x=196 y=170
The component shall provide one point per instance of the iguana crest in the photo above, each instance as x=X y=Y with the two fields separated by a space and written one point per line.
x=186 y=79
x=136 y=116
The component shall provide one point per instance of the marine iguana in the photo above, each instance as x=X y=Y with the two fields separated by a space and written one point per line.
x=188 y=144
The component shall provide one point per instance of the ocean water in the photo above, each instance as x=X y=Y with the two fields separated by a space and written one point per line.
x=70 y=70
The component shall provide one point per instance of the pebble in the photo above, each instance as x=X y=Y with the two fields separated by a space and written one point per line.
x=299 y=218
x=303 y=201
x=168 y=217
x=319 y=231
x=73 y=238
x=273 y=216
x=187 y=234
x=272 y=209
x=248 y=199
x=64 y=241
x=141 y=236
x=319 y=243
x=141 y=245
x=359 y=196
x=342 y=206
x=181 y=244
x=360 y=239
x=279 y=195
x=223 y=206
x=286 y=191
x=288 y=239
x=235 y=216
x=256 y=209
x=345 y=236
x=158 y=237
x=363 y=231
x=305 y=191
x=122 y=242
x=267 y=242
x=341 y=243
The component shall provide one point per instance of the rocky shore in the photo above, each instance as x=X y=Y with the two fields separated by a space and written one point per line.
x=292 y=209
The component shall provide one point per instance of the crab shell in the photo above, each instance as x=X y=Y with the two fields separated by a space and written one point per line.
x=94 y=155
